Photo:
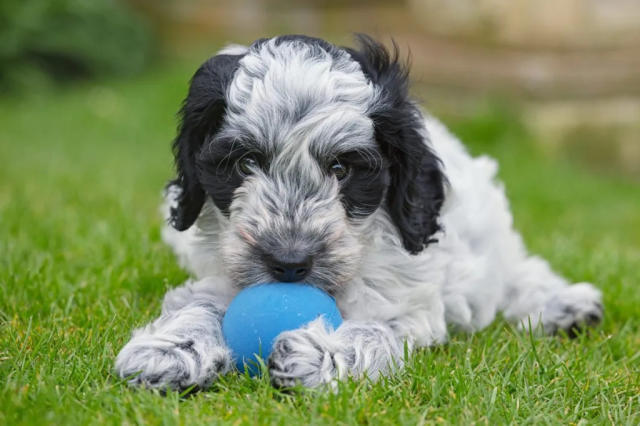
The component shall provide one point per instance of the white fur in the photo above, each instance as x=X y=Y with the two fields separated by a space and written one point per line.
x=388 y=297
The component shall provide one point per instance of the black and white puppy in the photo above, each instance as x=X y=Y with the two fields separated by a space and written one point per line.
x=301 y=160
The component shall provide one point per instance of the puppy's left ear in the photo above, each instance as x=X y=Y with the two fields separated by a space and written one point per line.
x=416 y=191
x=202 y=114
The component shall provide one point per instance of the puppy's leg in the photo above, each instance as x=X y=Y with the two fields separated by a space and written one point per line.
x=313 y=355
x=183 y=347
x=536 y=295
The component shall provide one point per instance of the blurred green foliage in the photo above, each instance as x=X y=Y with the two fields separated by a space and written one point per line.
x=57 y=41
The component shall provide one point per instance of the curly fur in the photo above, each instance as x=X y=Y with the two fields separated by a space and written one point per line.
x=416 y=237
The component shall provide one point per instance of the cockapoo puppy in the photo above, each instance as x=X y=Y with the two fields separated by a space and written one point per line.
x=299 y=160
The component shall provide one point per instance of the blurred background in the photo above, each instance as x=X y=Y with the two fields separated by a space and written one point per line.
x=567 y=71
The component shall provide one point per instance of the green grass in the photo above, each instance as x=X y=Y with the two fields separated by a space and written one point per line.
x=82 y=264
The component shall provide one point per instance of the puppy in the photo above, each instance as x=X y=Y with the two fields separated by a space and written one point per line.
x=299 y=160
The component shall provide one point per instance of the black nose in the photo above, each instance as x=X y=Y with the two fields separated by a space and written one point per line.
x=289 y=268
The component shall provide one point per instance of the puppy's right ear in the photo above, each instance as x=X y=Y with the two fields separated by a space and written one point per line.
x=201 y=116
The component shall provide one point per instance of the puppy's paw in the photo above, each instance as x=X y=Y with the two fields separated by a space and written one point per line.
x=573 y=309
x=171 y=363
x=303 y=357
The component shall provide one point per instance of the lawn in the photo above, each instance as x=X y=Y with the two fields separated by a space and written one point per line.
x=82 y=264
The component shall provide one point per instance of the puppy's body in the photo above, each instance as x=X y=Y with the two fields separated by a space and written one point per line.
x=352 y=188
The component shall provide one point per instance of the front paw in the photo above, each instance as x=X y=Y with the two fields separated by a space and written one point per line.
x=304 y=357
x=171 y=363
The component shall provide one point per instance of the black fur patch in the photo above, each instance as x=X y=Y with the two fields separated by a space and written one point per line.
x=416 y=191
x=364 y=188
x=202 y=114
x=218 y=169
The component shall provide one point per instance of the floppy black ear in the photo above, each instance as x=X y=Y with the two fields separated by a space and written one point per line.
x=416 y=191
x=201 y=116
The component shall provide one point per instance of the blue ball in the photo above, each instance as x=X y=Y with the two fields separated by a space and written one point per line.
x=260 y=312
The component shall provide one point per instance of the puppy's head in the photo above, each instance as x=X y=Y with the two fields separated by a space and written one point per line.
x=299 y=143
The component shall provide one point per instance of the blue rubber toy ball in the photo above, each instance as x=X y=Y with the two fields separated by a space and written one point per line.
x=260 y=312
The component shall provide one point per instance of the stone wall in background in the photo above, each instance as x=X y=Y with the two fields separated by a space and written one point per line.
x=575 y=64
x=526 y=23
x=572 y=65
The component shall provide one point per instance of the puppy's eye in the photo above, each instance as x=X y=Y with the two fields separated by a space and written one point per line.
x=340 y=171
x=247 y=165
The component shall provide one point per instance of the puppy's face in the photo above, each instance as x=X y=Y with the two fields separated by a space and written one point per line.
x=295 y=144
